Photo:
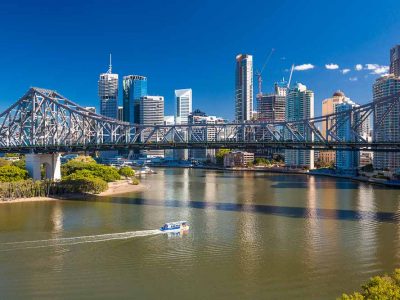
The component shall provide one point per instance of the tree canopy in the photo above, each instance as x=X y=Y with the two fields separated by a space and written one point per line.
x=12 y=173
x=378 y=287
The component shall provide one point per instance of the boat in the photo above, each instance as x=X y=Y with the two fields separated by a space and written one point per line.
x=145 y=170
x=175 y=226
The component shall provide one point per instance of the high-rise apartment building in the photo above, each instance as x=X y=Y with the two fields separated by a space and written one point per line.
x=347 y=162
x=244 y=88
x=395 y=60
x=151 y=113
x=108 y=93
x=299 y=106
x=329 y=107
x=183 y=108
x=183 y=104
x=134 y=87
x=271 y=107
x=389 y=128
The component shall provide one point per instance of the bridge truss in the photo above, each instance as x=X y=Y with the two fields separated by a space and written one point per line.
x=43 y=121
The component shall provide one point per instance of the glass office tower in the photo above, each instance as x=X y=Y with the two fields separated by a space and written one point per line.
x=134 y=87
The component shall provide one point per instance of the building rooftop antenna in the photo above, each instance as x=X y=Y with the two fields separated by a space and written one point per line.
x=110 y=66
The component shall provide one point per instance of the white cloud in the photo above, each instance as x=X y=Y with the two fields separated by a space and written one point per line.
x=332 y=66
x=353 y=78
x=358 y=67
x=304 y=67
x=377 y=69
x=345 y=71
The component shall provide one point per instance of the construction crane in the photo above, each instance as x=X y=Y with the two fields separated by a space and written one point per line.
x=259 y=73
x=290 y=76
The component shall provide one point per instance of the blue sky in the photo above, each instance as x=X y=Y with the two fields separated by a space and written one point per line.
x=64 y=45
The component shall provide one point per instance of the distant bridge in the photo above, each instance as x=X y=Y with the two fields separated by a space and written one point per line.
x=43 y=122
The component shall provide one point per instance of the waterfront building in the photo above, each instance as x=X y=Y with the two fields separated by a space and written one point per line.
x=134 y=87
x=183 y=108
x=169 y=120
x=238 y=159
x=299 y=106
x=108 y=93
x=120 y=113
x=151 y=113
x=347 y=162
x=271 y=107
x=389 y=129
x=199 y=117
x=329 y=107
x=244 y=88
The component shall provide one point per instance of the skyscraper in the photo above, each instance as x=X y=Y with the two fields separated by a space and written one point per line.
x=183 y=105
x=329 y=107
x=183 y=102
x=120 y=113
x=244 y=88
x=346 y=161
x=299 y=106
x=151 y=113
x=108 y=93
x=134 y=87
x=395 y=60
x=389 y=129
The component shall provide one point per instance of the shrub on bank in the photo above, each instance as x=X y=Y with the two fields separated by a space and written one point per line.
x=25 y=189
x=83 y=185
x=106 y=173
x=135 y=181
x=126 y=172
x=378 y=287
x=12 y=173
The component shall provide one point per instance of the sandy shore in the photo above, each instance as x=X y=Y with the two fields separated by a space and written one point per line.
x=114 y=188
x=121 y=187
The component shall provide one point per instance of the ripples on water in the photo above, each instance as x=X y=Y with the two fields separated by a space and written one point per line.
x=10 y=246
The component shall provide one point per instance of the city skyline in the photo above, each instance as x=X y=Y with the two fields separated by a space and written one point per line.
x=331 y=64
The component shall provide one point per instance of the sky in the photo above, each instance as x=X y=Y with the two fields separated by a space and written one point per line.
x=65 y=45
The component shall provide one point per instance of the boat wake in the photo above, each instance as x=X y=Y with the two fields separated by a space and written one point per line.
x=77 y=240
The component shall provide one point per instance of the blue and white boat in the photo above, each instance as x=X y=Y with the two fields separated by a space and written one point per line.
x=175 y=226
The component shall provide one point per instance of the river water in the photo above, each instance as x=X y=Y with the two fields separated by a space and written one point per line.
x=252 y=236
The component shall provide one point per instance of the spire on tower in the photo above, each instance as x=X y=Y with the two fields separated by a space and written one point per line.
x=110 y=66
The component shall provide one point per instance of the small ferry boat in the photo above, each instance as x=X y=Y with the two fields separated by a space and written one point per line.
x=145 y=170
x=175 y=226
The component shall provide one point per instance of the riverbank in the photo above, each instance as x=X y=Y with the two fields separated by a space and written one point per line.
x=374 y=181
x=114 y=188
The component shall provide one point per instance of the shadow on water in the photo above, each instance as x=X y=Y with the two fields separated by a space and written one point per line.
x=283 y=211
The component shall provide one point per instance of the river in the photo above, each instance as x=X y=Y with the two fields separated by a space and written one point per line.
x=252 y=236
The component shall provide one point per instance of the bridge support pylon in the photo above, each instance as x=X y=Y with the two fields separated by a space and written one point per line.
x=51 y=162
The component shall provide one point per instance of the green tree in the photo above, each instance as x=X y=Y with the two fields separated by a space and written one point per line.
x=378 y=287
x=12 y=173
x=219 y=156
x=261 y=161
x=126 y=172
x=106 y=173
x=20 y=163
x=4 y=162
x=367 y=168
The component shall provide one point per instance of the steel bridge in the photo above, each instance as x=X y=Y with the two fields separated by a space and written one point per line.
x=43 y=121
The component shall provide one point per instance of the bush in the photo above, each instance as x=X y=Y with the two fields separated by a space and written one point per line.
x=83 y=185
x=106 y=173
x=126 y=172
x=12 y=173
x=135 y=181
x=261 y=161
x=378 y=287
x=20 y=163
x=4 y=162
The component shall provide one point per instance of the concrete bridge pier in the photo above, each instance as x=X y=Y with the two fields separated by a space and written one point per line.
x=51 y=162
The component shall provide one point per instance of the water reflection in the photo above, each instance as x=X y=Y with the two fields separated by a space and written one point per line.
x=284 y=211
